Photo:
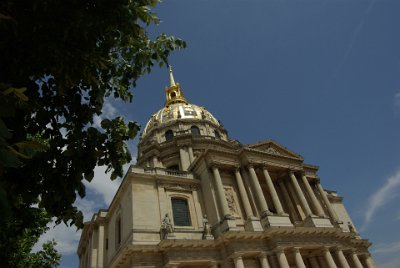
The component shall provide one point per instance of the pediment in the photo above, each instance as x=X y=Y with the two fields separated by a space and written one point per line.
x=273 y=148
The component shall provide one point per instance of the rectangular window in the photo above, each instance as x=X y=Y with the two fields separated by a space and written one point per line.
x=180 y=211
x=118 y=232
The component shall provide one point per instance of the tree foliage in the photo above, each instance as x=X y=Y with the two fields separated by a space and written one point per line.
x=19 y=251
x=59 y=61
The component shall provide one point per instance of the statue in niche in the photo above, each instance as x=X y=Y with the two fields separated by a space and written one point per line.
x=351 y=228
x=166 y=227
x=231 y=201
x=206 y=228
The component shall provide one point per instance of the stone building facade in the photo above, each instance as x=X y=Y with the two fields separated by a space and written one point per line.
x=197 y=198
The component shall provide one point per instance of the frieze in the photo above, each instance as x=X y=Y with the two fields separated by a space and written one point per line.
x=178 y=186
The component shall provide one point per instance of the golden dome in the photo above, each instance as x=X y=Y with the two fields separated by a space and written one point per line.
x=177 y=108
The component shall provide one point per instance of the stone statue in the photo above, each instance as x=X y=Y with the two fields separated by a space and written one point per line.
x=206 y=228
x=351 y=228
x=166 y=226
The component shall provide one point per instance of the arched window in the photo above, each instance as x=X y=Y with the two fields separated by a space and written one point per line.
x=195 y=131
x=217 y=135
x=180 y=211
x=169 y=135
x=172 y=95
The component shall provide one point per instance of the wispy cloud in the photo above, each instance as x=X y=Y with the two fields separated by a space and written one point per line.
x=103 y=185
x=388 y=253
x=391 y=263
x=397 y=100
x=387 y=247
x=67 y=238
x=382 y=196
x=356 y=33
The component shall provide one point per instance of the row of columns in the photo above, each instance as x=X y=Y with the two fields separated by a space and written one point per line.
x=260 y=199
x=283 y=262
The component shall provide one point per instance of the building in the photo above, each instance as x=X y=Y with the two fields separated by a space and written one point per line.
x=197 y=198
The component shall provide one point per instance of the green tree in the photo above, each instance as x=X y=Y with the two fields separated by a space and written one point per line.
x=21 y=255
x=59 y=61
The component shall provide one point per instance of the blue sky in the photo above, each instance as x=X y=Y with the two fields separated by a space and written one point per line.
x=319 y=77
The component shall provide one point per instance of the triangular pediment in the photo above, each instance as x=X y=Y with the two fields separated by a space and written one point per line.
x=273 y=148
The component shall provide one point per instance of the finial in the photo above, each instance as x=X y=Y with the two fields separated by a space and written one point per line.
x=171 y=76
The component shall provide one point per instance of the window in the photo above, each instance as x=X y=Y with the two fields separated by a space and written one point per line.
x=173 y=167
x=217 y=135
x=180 y=210
x=172 y=95
x=118 y=231
x=169 y=135
x=195 y=131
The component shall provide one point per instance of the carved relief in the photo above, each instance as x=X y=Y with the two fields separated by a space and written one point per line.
x=231 y=201
x=271 y=150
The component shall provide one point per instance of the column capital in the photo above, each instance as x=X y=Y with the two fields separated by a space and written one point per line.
x=326 y=248
x=279 y=249
x=213 y=164
x=262 y=255
x=236 y=255
x=236 y=168
x=296 y=249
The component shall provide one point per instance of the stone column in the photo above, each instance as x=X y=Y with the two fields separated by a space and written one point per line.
x=356 y=260
x=369 y=261
x=331 y=211
x=314 y=262
x=274 y=194
x=243 y=194
x=100 y=251
x=264 y=260
x=191 y=156
x=287 y=200
x=184 y=159
x=223 y=204
x=300 y=194
x=342 y=259
x=262 y=204
x=317 y=205
x=238 y=262
x=214 y=265
x=283 y=263
x=298 y=258
x=329 y=259
x=155 y=161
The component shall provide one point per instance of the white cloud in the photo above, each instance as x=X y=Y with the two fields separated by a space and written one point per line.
x=384 y=195
x=67 y=238
x=103 y=185
x=108 y=111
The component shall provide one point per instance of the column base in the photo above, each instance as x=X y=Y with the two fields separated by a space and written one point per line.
x=208 y=237
x=315 y=221
x=276 y=221
x=170 y=236
x=224 y=226
x=253 y=224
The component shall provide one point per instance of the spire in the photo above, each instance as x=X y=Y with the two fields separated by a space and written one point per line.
x=171 y=77
x=174 y=92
